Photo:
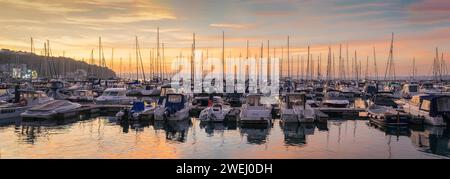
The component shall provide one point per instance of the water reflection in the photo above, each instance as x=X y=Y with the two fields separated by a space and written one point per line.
x=30 y=131
x=295 y=134
x=175 y=130
x=212 y=128
x=432 y=140
x=391 y=130
x=85 y=135
x=256 y=133
x=137 y=126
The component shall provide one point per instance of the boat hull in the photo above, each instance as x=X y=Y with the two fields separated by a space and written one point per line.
x=8 y=113
x=178 y=116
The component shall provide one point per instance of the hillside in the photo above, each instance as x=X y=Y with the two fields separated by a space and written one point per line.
x=51 y=66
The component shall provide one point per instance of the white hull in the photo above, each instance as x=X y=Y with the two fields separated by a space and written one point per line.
x=209 y=115
x=51 y=109
x=297 y=115
x=255 y=115
x=416 y=112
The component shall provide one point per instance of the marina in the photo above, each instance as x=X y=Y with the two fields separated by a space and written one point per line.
x=268 y=80
x=275 y=117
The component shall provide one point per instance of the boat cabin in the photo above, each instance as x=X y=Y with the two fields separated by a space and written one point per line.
x=294 y=99
x=371 y=89
x=83 y=93
x=30 y=97
x=254 y=100
x=434 y=104
x=174 y=102
x=427 y=85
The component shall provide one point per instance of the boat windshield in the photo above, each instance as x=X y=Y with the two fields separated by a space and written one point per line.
x=174 y=99
x=443 y=104
x=413 y=89
x=254 y=101
x=425 y=105
x=111 y=93
x=82 y=93
x=217 y=100
x=3 y=92
x=28 y=95
x=427 y=85
x=200 y=102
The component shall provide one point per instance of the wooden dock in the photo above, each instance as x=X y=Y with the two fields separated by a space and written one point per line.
x=93 y=109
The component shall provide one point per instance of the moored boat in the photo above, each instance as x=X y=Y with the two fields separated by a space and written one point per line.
x=294 y=109
x=253 y=111
x=174 y=107
x=433 y=108
x=216 y=111
x=26 y=100
x=51 y=110
x=114 y=96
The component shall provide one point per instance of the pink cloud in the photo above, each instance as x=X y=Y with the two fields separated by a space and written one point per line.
x=430 y=11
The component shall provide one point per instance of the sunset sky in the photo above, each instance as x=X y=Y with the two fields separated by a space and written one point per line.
x=74 y=26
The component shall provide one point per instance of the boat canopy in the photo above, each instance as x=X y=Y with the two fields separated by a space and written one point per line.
x=433 y=103
x=174 y=102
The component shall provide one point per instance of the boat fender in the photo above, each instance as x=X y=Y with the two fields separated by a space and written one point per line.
x=135 y=115
x=120 y=114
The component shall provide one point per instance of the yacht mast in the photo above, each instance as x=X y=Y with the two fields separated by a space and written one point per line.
x=288 y=56
x=307 y=66
x=375 y=63
x=390 y=67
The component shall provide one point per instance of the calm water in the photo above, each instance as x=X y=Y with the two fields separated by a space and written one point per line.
x=103 y=137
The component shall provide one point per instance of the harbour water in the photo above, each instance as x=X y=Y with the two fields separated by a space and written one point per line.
x=104 y=137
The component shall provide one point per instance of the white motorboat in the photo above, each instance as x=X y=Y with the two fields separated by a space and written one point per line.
x=253 y=111
x=137 y=111
x=435 y=109
x=429 y=88
x=175 y=107
x=56 y=90
x=82 y=96
x=294 y=109
x=27 y=100
x=115 y=96
x=150 y=90
x=386 y=115
x=216 y=112
x=143 y=90
x=51 y=109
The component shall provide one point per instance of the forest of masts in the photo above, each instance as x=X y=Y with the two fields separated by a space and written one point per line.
x=340 y=65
